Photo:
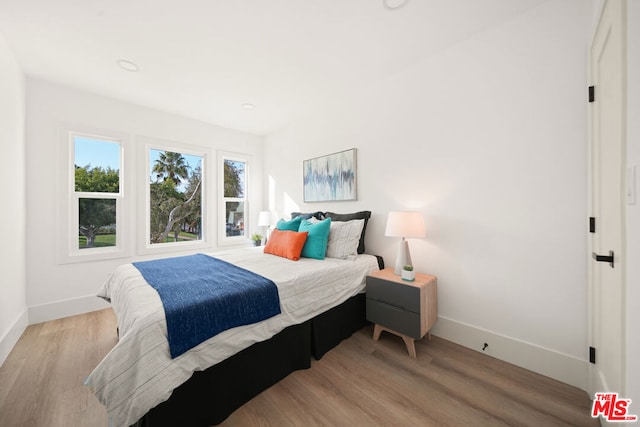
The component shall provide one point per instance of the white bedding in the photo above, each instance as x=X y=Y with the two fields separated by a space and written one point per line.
x=138 y=373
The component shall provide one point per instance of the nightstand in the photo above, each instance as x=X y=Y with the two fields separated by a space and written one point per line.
x=407 y=309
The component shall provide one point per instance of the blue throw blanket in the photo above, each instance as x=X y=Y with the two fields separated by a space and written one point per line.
x=203 y=296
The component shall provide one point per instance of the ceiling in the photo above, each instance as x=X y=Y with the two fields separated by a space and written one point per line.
x=204 y=59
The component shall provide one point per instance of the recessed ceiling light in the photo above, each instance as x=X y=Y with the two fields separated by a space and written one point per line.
x=127 y=65
x=394 y=4
x=248 y=106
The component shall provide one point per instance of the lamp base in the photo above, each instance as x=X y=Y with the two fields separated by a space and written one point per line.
x=403 y=257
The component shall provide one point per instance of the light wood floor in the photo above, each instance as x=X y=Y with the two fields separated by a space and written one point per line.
x=361 y=382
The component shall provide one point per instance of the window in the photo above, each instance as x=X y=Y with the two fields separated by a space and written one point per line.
x=175 y=197
x=97 y=188
x=174 y=203
x=92 y=220
x=233 y=203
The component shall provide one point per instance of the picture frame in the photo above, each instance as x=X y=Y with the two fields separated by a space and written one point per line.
x=330 y=178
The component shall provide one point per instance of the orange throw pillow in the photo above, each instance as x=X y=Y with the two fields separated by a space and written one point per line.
x=287 y=244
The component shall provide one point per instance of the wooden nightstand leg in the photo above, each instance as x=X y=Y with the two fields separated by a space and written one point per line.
x=411 y=347
x=377 y=329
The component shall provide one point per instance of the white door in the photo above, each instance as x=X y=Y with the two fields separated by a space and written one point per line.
x=608 y=124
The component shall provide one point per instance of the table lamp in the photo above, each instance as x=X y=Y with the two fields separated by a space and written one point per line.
x=404 y=224
x=264 y=220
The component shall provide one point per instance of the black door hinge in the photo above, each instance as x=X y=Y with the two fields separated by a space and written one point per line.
x=592 y=224
x=592 y=93
x=592 y=355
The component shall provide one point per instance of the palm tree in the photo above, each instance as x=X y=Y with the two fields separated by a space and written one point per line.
x=171 y=166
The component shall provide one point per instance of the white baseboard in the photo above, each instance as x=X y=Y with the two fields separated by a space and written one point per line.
x=559 y=366
x=9 y=340
x=59 y=309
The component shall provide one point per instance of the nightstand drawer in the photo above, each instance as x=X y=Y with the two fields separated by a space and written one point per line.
x=403 y=296
x=403 y=321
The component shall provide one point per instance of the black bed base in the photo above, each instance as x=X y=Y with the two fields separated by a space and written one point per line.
x=210 y=396
x=331 y=327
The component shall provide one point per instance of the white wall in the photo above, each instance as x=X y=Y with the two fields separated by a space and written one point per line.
x=488 y=139
x=633 y=211
x=13 y=312
x=57 y=290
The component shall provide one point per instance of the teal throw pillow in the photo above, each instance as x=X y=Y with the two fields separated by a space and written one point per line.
x=291 y=225
x=316 y=244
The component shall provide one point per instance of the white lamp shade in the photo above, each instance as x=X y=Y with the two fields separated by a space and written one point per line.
x=264 y=219
x=405 y=224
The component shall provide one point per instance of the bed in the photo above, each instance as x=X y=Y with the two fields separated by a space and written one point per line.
x=140 y=384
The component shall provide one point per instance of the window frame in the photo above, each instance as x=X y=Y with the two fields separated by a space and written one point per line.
x=223 y=239
x=145 y=247
x=69 y=199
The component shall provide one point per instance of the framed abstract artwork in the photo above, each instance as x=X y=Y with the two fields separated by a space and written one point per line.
x=330 y=178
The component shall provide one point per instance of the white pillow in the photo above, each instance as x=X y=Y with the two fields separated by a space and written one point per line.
x=344 y=237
